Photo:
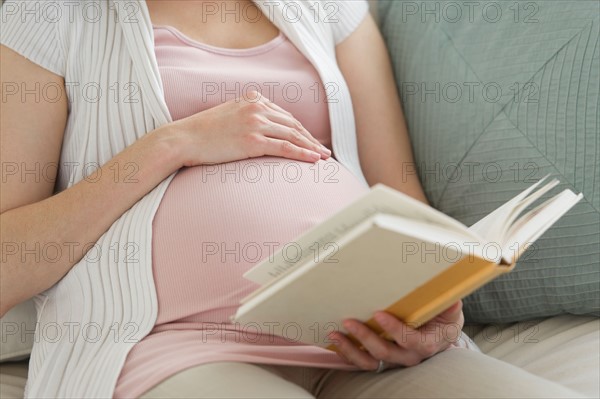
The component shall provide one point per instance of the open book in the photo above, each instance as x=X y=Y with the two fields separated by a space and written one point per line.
x=388 y=251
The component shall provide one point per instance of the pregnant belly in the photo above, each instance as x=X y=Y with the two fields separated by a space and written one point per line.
x=215 y=222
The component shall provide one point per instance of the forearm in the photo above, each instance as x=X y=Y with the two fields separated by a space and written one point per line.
x=43 y=240
x=383 y=142
x=391 y=162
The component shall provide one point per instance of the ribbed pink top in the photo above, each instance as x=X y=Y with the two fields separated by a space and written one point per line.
x=216 y=222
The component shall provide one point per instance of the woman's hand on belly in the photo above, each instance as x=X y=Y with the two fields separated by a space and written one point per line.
x=246 y=127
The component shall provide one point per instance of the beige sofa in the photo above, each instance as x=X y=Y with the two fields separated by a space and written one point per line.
x=564 y=349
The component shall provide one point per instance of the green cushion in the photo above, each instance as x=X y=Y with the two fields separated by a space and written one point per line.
x=497 y=95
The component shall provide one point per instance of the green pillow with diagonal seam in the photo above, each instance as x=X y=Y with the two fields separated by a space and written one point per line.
x=497 y=95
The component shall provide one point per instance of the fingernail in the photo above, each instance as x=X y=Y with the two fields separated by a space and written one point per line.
x=326 y=150
x=351 y=327
x=314 y=155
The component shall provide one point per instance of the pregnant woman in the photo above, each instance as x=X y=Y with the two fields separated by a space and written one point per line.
x=219 y=131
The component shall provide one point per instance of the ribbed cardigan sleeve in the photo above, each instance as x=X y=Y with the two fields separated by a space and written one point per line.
x=344 y=16
x=30 y=29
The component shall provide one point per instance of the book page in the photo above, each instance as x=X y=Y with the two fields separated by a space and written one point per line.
x=536 y=222
x=316 y=241
x=439 y=236
x=436 y=236
x=369 y=272
x=493 y=227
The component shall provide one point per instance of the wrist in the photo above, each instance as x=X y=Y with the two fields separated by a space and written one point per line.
x=168 y=145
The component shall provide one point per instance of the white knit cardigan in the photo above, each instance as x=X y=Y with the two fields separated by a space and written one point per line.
x=90 y=320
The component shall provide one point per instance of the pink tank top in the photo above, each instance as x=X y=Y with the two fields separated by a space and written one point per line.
x=216 y=222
